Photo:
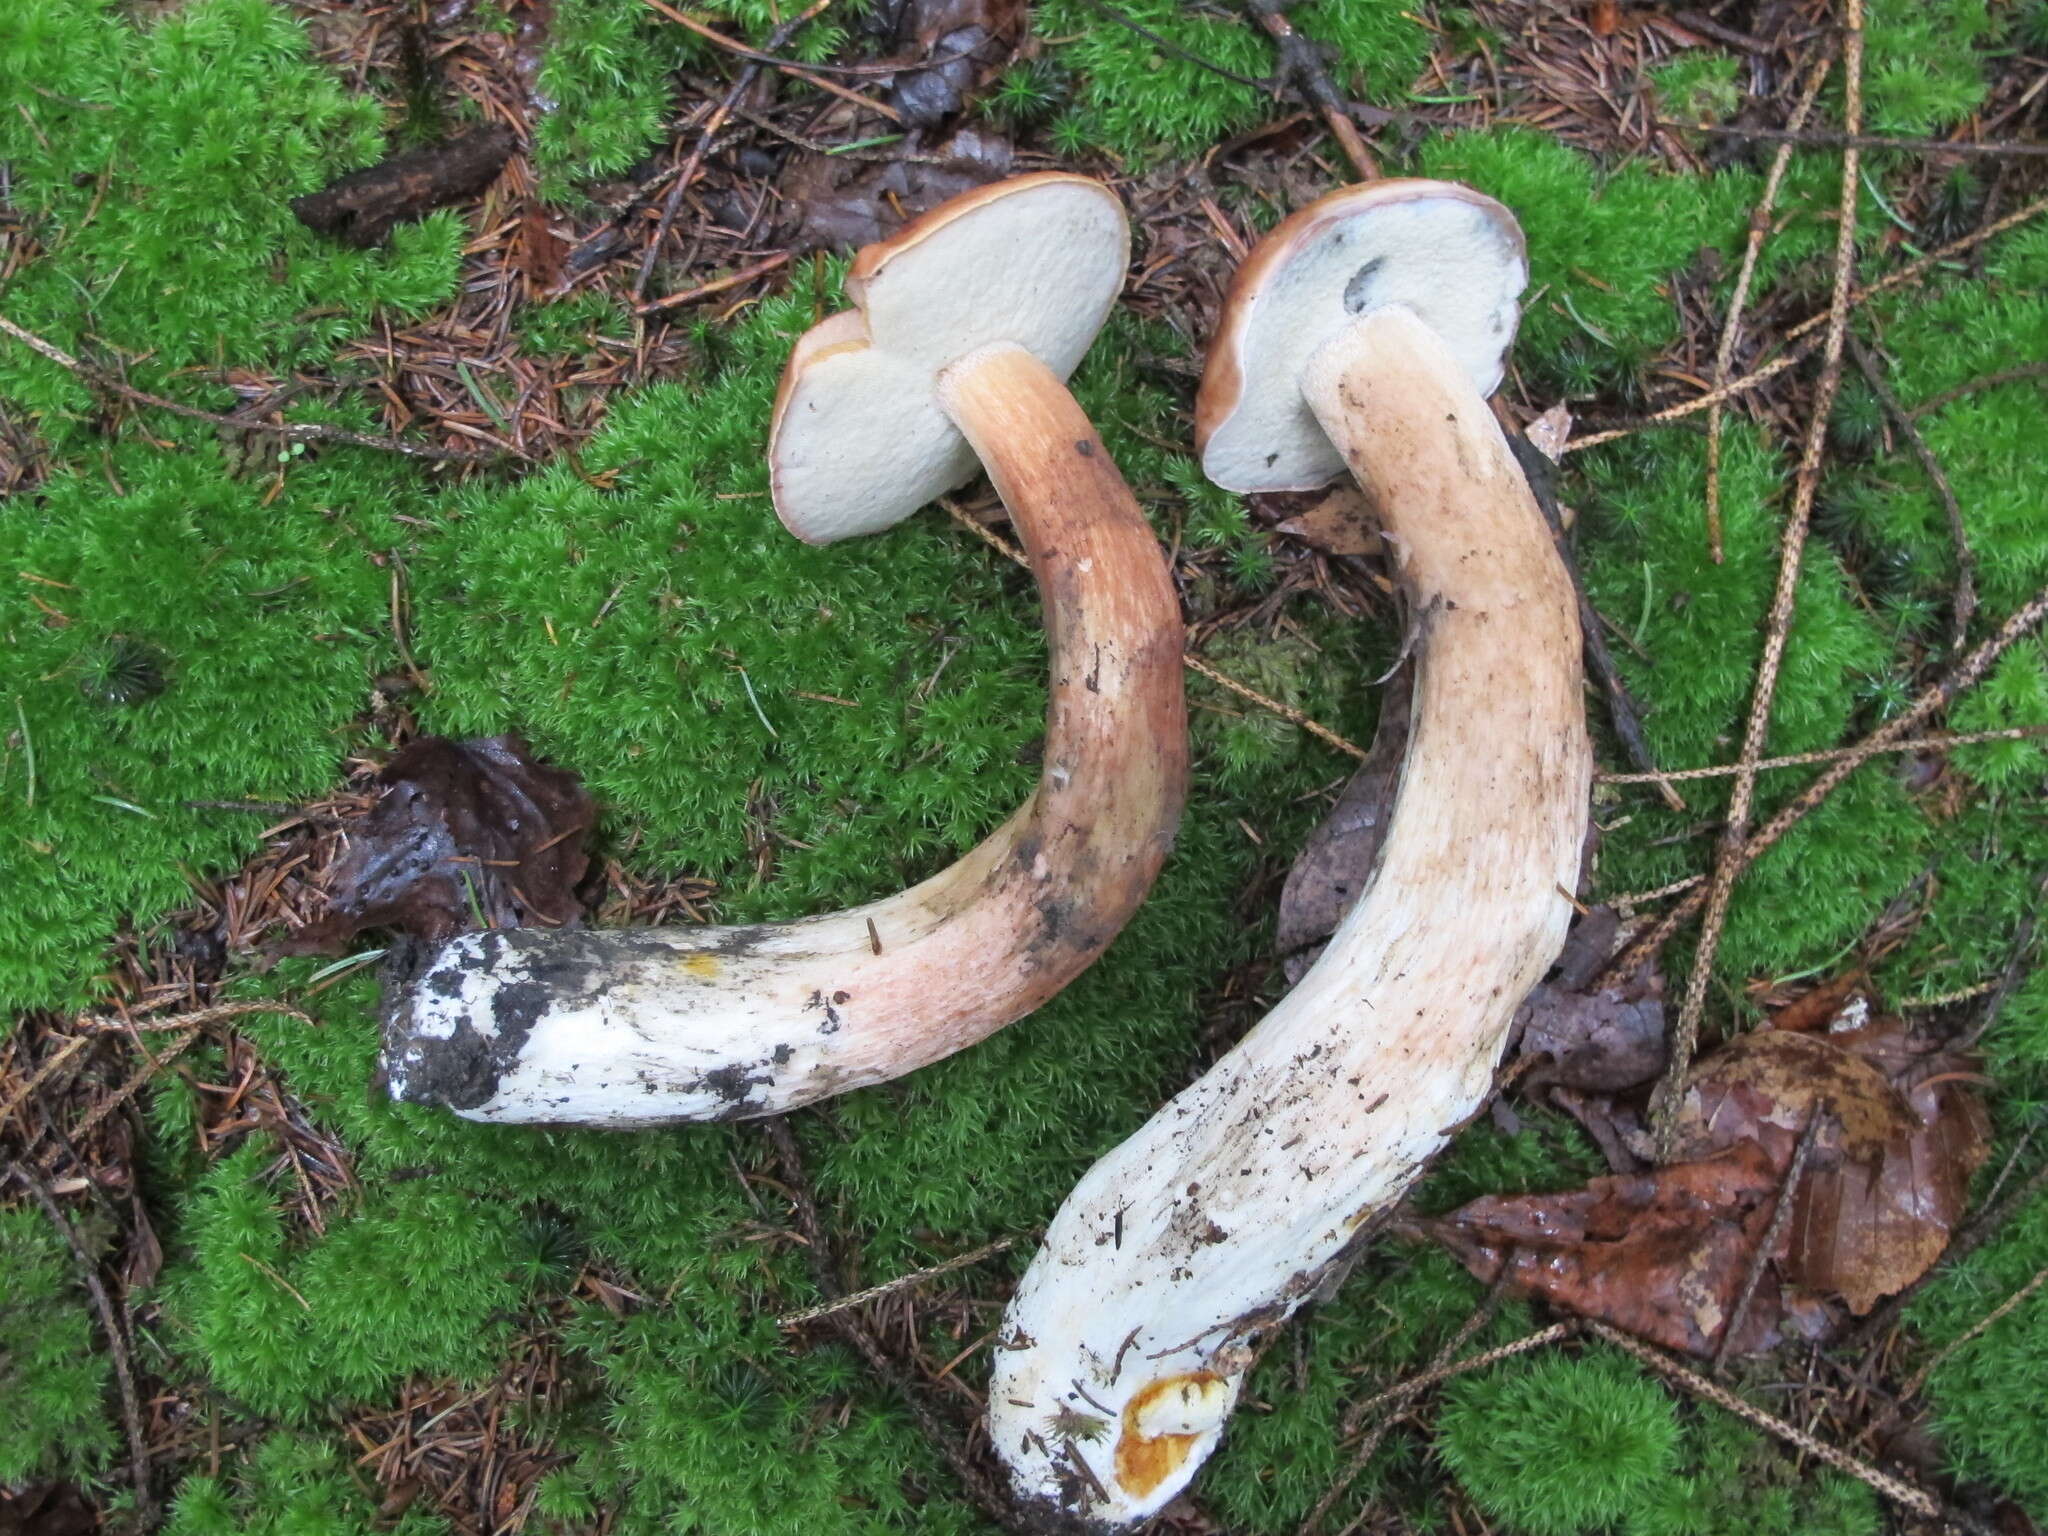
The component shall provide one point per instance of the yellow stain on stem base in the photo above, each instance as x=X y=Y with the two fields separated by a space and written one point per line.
x=1145 y=1461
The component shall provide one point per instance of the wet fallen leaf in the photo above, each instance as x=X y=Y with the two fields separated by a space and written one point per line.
x=1891 y=1168
x=1336 y=862
x=465 y=834
x=1340 y=524
x=1595 y=1033
x=1899 y=1133
x=539 y=251
x=960 y=42
x=1661 y=1255
x=47 y=1509
x=840 y=203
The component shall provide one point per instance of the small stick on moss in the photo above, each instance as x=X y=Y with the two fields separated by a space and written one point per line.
x=1947 y=741
x=64 y=1052
x=1302 y=62
x=1408 y=1390
x=1778 y=626
x=1963 y=676
x=1193 y=663
x=688 y=174
x=1537 y=469
x=291 y=431
x=900 y=1283
x=1781 y=1217
x=691 y=295
x=2015 y=969
x=818 y=1251
x=1971 y=386
x=117 y=1341
x=1912 y=272
x=1731 y=328
x=1401 y=1392
x=1827 y=138
x=1897 y=1489
x=1168 y=46
x=1966 y=563
x=1920 y=1377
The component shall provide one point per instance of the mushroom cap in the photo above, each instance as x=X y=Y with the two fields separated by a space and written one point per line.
x=859 y=440
x=1452 y=255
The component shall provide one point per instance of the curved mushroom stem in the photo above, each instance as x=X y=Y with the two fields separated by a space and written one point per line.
x=1182 y=1250
x=645 y=1026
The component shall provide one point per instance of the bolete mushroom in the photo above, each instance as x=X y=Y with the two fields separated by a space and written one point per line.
x=1180 y=1252
x=966 y=326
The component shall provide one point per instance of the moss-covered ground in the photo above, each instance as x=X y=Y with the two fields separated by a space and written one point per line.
x=187 y=618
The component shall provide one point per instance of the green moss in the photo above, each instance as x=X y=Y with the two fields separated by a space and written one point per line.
x=1141 y=100
x=53 y=1375
x=1698 y=86
x=289 y=1485
x=1553 y=1446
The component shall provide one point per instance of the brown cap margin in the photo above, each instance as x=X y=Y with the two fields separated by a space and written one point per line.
x=1222 y=383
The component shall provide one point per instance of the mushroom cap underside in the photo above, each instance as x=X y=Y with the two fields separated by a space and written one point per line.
x=859 y=440
x=1453 y=256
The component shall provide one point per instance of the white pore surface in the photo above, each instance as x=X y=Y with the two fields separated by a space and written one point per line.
x=1447 y=258
x=862 y=442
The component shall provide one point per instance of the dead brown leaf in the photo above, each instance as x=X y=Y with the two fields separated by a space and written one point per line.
x=1597 y=1033
x=47 y=1509
x=1661 y=1255
x=962 y=40
x=1891 y=1168
x=841 y=204
x=1899 y=1133
x=1336 y=862
x=464 y=833
x=1341 y=523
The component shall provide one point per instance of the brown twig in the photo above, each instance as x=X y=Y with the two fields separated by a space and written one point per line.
x=1402 y=1391
x=1964 y=675
x=745 y=274
x=1355 y=1415
x=1777 y=630
x=900 y=1283
x=818 y=1250
x=1945 y=742
x=749 y=71
x=1898 y=1490
x=291 y=431
x=1537 y=469
x=1971 y=386
x=1911 y=272
x=1172 y=49
x=1781 y=1217
x=1731 y=328
x=117 y=1341
x=1966 y=563
x=1990 y=1319
x=1824 y=138
x=1302 y=62
x=2014 y=972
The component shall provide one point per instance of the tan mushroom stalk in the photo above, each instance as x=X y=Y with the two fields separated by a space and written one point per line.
x=1181 y=1251
x=966 y=327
